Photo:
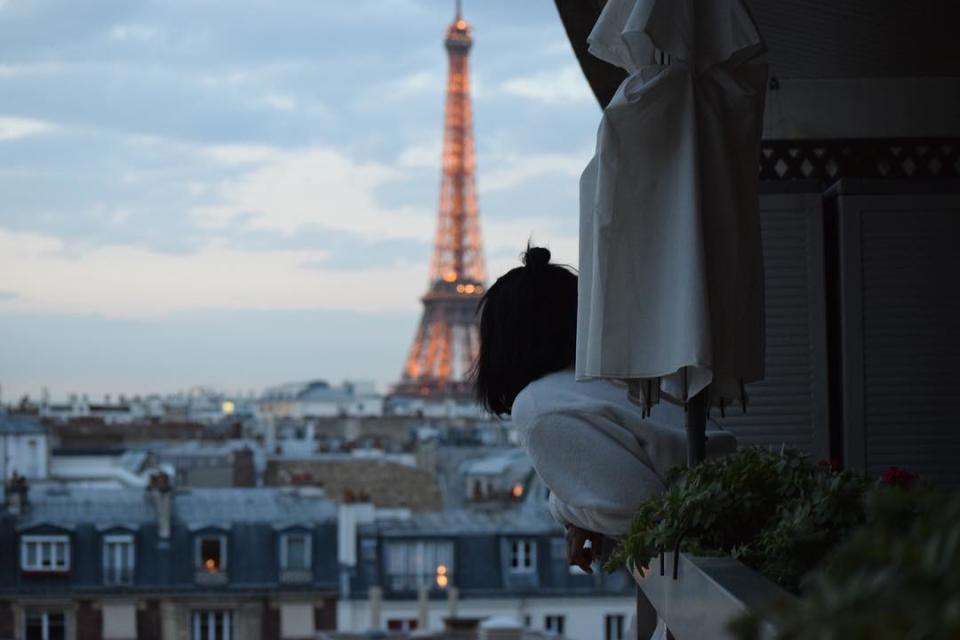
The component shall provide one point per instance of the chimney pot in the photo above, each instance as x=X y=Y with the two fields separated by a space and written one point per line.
x=17 y=490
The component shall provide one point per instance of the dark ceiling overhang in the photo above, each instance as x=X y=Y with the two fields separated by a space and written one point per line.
x=578 y=17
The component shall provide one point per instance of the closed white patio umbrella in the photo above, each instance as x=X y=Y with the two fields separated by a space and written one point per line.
x=671 y=273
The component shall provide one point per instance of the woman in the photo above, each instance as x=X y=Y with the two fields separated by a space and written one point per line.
x=592 y=447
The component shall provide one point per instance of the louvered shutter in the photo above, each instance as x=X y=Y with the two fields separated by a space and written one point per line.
x=790 y=405
x=900 y=269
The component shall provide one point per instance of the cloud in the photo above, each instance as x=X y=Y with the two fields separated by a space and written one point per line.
x=280 y=102
x=12 y=128
x=508 y=239
x=37 y=274
x=502 y=169
x=33 y=69
x=378 y=96
x=565 y=85
x=413 y=84
x=318 y=188
x=224 y=79
x=422 y=156
x=512 y=169
x=231 y=154
x=133 y=32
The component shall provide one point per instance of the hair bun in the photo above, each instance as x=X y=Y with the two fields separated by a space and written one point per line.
x=536 y=256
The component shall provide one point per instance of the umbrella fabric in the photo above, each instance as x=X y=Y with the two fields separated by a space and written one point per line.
x=671 y=272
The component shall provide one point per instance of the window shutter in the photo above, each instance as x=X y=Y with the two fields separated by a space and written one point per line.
x=119 y=621
x=901 y=310
x=789 y=406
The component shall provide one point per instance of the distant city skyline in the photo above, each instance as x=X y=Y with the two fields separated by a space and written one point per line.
x=235 y=196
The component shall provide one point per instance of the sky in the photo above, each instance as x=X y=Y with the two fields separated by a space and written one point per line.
x=241 y=193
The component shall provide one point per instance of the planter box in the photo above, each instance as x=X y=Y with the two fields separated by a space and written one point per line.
x=707 y=594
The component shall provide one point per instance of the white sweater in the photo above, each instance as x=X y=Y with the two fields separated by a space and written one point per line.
x=596 y=453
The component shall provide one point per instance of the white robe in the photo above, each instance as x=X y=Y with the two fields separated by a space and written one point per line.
x=594 y=450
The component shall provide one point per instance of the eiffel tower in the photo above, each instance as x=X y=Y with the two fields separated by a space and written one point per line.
x=447 y=339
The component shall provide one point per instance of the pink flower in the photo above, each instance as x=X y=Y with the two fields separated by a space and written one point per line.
x=897 y=477
x=830 y=465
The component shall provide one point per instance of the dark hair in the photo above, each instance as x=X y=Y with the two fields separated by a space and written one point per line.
x=528 y=328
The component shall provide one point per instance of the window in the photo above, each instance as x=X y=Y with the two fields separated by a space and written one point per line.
x=613 y=627
x=523 y=556
x=413 y=565
x=214 y=624
x=118 y=559
x=401 y=624
x=45 y=625
x=295 y=552
x=554 y=624
x=211 y=554
x=45 y=553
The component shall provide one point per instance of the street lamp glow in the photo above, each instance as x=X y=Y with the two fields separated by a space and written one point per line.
x=442 y=578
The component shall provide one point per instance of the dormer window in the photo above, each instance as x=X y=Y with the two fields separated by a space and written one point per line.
x=211 y=554
x=210 y=558
x=523 y=555
x=45 y=554
x=118 y=559
x=295 y=551
x=423 y=564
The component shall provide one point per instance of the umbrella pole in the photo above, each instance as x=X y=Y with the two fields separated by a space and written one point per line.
x=697 y=429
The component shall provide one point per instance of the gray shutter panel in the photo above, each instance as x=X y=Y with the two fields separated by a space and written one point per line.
x=901 y=328
x=789 y=407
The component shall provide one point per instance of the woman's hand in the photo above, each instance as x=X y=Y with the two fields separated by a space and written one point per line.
x=579 y=555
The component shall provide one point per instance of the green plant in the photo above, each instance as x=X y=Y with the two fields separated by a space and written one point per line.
x=775 y=511
x=895 y=578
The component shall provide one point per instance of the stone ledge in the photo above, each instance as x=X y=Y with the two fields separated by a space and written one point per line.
x=707 y=595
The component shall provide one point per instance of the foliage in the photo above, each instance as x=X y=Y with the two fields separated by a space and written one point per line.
x=776 y=512
x=897 y=577
x=873 y=560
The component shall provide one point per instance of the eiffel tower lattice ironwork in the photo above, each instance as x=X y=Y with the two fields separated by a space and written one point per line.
x=447 y=338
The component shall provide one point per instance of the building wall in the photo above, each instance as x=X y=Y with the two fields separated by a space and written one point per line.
x=584 y=615
x=388 y=484
x=255 y=618
x=26 y=453
x=89 y=621
x=820 y=108
x=149 y=621
x=858 y=38
x=7 y=620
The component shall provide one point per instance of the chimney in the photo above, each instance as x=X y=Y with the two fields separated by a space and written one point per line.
x=453 y=602
x=349 y=516
x=270 y=433
x=376 y=599
x=423 y=609
x=244 y=470
x=161 y=493
x=501 y=628
x=17 y=491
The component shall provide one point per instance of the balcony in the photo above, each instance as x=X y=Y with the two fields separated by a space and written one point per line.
x=706 y=595
x=759 y=544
